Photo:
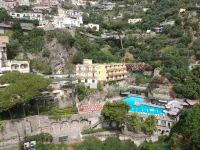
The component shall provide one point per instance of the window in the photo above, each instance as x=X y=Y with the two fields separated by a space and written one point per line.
x=93 y=74
x=83 y=74
x=93 y=81
x=86 y=81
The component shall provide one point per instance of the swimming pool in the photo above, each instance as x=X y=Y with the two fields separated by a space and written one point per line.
x=142 y=108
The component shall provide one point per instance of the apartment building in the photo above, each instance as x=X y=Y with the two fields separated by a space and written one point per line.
x=10 y=4
x=28 y=16
x=23 y=2
x=9 y=65
x=90 y=74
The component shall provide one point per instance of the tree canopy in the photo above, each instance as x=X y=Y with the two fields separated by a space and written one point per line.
x=22 y=88
x=190 y=86
x=91 y=143
x=112 y=143
x=129 y=145
x=150 y=146
x=4 y=15
x=134 y=122
x=188 y=127
x=150 y=124
x=115 y=112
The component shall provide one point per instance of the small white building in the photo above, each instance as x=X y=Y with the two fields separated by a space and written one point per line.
x=67 y=21
x=171 y=23
x=108 y=6
x=23 y=2
x=9 y=65
x=133 y=21
x=93 y=3
x=92 y=26
x=79 y=2
x=28 y=16
x=182 y=10
x=144 y=9
x=3 y=4
x=72 y=12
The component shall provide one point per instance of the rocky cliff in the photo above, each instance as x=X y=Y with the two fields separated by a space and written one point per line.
x=59 y=56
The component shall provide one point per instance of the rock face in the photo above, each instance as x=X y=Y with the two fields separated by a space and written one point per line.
x=58 y=55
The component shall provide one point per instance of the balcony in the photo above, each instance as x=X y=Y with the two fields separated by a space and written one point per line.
x=15 y=67
x=24 y=66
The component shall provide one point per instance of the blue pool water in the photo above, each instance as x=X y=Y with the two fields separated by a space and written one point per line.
x=142 y=108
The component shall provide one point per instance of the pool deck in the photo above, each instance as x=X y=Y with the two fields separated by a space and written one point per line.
x=144 y=103
x=135 y=95
x=149 y=104
x=160 y=117
x=121 y=98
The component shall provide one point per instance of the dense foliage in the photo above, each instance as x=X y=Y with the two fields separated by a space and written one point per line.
x=21 y=89
x=112 y=143
x=83 y=91
x=115 y=112
x=188 y=129
x=4 y=15
x=134 y=122
x=150 y=124
x=129 y=145
x=189 y=87
x=92 y=143
x=42 y=137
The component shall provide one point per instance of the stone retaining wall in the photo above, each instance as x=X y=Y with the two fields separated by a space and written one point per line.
x=138 y=139
x=36 y=124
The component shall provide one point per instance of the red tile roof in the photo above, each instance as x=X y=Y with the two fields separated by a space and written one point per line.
x=90 y=107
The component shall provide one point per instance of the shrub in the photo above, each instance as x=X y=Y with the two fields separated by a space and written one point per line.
x=42 y=137
x=41 y=66
x=110 y=94
x=89 y=131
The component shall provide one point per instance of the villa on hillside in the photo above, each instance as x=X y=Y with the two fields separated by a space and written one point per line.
x=10 y=65
x=90 y=74
x=92 y=26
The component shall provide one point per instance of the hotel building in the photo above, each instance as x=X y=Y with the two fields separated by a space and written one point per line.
x=90 y=74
